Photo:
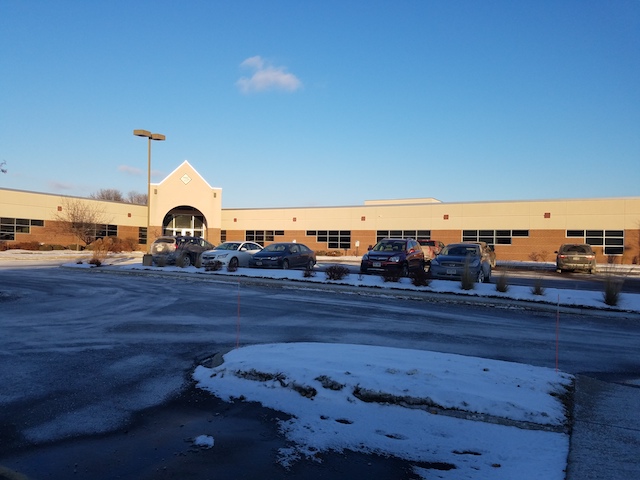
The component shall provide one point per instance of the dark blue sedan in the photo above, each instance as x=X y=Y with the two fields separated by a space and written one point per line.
x=284 y=255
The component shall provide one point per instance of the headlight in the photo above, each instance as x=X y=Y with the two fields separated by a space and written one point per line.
x=223 y=255
x=395 y=258
x=365 y=257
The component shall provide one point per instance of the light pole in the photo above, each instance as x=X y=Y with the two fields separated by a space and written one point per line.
x=150 y=136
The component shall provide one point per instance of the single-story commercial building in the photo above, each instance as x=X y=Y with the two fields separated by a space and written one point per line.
x=185 y=204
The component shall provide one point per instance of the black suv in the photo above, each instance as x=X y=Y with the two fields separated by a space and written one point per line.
x=394 y=254
x=179 y=250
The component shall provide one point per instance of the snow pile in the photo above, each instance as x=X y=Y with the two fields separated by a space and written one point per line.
x=463 y=416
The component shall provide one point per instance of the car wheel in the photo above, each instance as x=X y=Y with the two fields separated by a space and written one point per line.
x=233 y=263
x=310 y=265
x=186 y=261
x=405 y=270
x=285 y=264
x=481 y=278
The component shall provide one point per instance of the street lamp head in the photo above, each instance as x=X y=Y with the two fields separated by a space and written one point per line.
x=142 y=133
x=157 y=136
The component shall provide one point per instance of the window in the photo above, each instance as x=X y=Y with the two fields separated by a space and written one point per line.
x=261 y=236
x=611 y=241
x=103 y=231
x=142 y=235
x=10 y=226
x=493 y=237
x=335 y=239
x=223 y=236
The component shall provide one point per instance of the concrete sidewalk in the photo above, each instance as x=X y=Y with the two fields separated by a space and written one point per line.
x=605 y=443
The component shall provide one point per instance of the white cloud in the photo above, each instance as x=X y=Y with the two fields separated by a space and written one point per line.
x=267 y=77
x=129 y=170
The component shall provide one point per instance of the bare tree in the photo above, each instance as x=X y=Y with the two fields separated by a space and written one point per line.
x=80 y=218
x=110 y=194
x=2 y=169
x=136 y=198
x=114 y=195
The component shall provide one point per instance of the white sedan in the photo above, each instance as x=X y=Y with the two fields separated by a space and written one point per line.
x=231 y=254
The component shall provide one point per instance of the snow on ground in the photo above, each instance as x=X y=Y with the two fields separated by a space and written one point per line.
x=574 y=298
x=452 y=417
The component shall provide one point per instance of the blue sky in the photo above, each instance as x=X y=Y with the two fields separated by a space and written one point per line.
x=300 y=103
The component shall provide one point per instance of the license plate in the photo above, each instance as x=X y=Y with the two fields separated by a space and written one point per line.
x=258 y=262
x=377 y=264
x=451 y=271
x=575 y=259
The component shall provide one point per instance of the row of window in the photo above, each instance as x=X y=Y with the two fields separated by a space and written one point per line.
x=335 y=239
x=10 y=226
x=261 y=236
x=493 y=237
x=612 y=241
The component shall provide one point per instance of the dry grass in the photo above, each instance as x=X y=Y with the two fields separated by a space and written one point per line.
x=538 y=288
x=467 y=280
x=502 y=284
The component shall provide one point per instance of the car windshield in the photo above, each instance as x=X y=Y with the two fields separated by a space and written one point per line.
x=390 y=246
x=460 y=250
x=274 y=247
x=228 y=246
x=583 y=249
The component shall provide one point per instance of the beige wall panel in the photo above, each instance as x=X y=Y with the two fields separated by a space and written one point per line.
x=173 y=192
x=45 y=207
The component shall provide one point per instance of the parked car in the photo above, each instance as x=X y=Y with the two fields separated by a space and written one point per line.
x=179 y=250
x=488 y=251
x=394 y=254
x=574 y=256
x=455 y=257
x=284 y=255
x=431 y=248
x=231 y=254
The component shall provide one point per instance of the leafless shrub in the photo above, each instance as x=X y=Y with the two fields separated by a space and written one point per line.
x=391 y=275
x=100 y=249
x=232 y=267
x=213 y=266
x=538 y=288
x=612 y=289
x=502 y=284
x=420 y=278
x=336 y=272
x=612 y=285
x=467 y=280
